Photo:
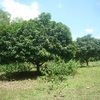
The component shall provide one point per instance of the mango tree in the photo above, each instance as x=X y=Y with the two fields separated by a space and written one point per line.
x=37 y=41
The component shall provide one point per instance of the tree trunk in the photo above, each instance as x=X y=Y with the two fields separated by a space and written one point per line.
x=38 y=68
x=87 y=63
x=38 y=65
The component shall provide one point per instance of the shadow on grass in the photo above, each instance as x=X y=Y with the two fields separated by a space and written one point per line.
x=19 y=75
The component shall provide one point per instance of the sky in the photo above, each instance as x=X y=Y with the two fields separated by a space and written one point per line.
x=81 y=16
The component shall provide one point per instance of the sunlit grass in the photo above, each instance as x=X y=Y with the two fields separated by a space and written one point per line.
x=83 y=86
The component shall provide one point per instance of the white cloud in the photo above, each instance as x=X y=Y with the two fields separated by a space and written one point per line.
x=17 y=9
x=89 y=30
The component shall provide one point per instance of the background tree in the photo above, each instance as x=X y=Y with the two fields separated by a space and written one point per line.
x=4 y=20
x=88 y=47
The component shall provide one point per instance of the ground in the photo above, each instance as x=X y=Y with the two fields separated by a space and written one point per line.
x=83 y=86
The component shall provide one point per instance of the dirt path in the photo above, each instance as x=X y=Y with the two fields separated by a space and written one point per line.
x=17 y=84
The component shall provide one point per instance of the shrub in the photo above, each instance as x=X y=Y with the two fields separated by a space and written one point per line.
x=15 y=67
x=72 y=66
x=59 y=70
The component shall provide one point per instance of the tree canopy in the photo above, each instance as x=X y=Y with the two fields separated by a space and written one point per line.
x=36 y=41
x=40 y=40
x=88 y=47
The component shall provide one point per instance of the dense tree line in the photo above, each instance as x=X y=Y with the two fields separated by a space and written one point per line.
x=40 y=40
x=36 y=40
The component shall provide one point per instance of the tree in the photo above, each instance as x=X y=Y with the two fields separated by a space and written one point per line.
x=38 y=41
x=4 y=20
x=8 y=41
x=15 y=24
x=88 y=47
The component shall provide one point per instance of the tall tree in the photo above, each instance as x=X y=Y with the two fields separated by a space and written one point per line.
x=38 y=41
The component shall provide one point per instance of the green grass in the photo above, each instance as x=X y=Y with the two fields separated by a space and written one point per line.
x=84 y=86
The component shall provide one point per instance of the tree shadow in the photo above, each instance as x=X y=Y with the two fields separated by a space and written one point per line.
x=20 y=76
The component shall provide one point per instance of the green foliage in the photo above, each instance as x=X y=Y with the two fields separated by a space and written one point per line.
x=54 y=71
x=72 y=67
x=4 y=20
x=84 y=86
x=44 y=18
x=36 y=41
x=88 y=47
x=16 y=67
x=15 y=24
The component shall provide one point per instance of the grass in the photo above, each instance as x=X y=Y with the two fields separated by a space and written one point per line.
x=84 y=86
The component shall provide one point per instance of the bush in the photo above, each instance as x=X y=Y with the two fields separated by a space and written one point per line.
x=59 y=70
x=72 y=66
x=15 y=67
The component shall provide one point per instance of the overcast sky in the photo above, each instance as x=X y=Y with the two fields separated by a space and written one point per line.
x=81 y=16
